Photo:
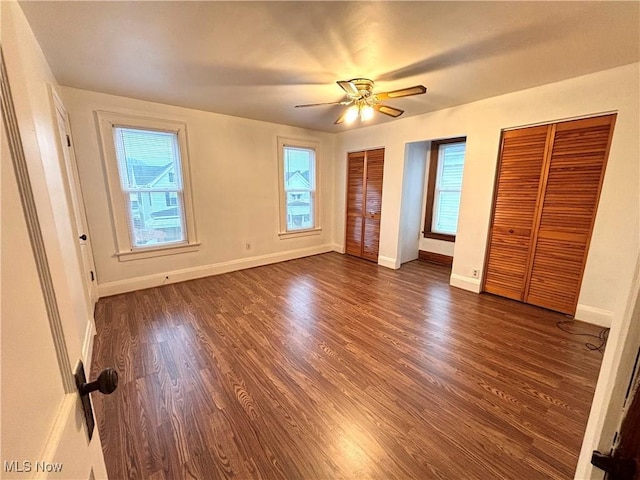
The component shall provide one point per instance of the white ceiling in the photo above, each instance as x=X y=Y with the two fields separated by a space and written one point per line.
x=259 y=59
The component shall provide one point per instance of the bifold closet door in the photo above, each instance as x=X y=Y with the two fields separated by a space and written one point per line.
x=364 y=203
x=355 y=203
x=518 y=185
x=373 y=204
x=577 y=163
x=547 y=190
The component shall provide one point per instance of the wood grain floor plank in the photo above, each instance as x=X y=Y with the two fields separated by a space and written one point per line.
x=334 y=367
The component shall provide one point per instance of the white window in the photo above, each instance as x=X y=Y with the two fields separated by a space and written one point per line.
x=148 y=175
x=448 y=188
x=445 y=185
x=298 y=172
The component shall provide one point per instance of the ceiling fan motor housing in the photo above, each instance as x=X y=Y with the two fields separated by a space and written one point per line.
x=364 y=86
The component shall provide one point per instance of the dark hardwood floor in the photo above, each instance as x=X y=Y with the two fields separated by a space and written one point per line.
x=331 y=367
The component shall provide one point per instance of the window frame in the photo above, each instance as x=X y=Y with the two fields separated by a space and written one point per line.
x=434 y=164
x=120 y=214
x=314 y=145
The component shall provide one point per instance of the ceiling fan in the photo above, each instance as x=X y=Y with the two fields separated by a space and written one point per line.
x=363 y=102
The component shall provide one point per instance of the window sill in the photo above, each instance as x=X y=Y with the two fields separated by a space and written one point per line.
x=439 y=236
x=157 y=251
x=300 y=233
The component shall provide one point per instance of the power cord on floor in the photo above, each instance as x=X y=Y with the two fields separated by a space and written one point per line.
x=602 y=336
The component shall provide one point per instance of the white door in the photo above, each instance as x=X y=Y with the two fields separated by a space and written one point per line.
x=80 y=224
x=43 y=433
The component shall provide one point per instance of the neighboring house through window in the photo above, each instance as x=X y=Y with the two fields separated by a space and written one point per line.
x=444 y=185
x=148 y=176
x=297 y=169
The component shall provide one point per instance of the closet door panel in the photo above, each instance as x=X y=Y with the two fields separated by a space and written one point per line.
x=373 y=204
x=576 y=170
x=371 y=243
x=355 y=203
x=354 y=236
x=515 y=207
x=556 y=274
x=375 y=170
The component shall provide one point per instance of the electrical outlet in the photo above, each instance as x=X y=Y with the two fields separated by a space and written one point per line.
x=247 y=246
x=475 y=273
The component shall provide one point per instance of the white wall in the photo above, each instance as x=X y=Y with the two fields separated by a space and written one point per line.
x=235 y=192
x=34 y=403
x=616 y=237
x=30 y=78
x=413 y=183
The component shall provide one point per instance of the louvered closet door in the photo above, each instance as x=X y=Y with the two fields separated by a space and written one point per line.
x=576 y=170
x=355 y=203
x=517 y=191
x=373 y=204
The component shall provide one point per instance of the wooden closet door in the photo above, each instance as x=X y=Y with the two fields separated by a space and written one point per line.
x=373 y=204
x=518 y=185
x=576 y=170
x=355 y=203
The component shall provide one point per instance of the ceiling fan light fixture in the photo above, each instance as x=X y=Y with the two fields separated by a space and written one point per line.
x=352 y=114
x=366 y=113
x=364 y=103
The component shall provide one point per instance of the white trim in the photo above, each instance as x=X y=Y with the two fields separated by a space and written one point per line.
x=309 y=144
x=338 y=248
x=465 y=283
x=300 y=233
x=87 y=345
x=69 y=166
x=593 y=315
x=149 y=281
x=158 y=251
x=388 y=262
x=56 y=433
x=118 y=208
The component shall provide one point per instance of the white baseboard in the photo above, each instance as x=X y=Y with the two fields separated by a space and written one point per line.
x=155 y=280
x=593 y=315
x=56 y=432
x=465 y=283
x=338 y=248
x=87 y=345
x=388 y=262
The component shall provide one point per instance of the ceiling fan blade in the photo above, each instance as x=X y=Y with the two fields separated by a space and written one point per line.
x=342 y=117
x=346 y=102
x=387 y=110
x=403 y=92
x=349 y=87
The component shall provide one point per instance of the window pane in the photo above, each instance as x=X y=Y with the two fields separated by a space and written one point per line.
x=147 y=159
x=299 y=168
x=299 y=210
x=452 y=158
x=299 y=184
x=152 y=221
x=448 y=187
x=446 y=215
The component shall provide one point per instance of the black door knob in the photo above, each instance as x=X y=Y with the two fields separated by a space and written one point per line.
x=106 y=383
x=83 y=236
